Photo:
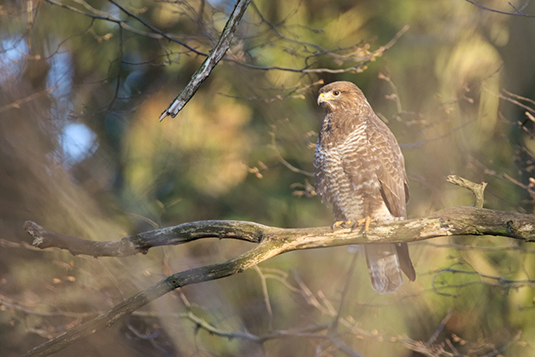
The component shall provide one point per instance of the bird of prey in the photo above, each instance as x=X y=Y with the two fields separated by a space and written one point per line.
x=359 y=170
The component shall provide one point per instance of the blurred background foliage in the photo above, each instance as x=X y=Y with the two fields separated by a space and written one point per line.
x=82 y=84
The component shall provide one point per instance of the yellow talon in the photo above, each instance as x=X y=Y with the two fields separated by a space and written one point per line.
x=366 y=221
x=341 y=224
x=349 y=223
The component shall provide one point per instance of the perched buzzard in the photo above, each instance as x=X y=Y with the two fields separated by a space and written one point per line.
x=360 y=170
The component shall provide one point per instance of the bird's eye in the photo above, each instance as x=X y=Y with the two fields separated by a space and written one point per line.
x=336 y=93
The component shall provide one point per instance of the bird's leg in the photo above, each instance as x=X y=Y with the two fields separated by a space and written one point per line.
x=352 y=225
x=364 y=221
x=342 y=224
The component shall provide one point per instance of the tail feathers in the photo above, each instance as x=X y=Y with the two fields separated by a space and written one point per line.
x=384 y=267
x=405 y=262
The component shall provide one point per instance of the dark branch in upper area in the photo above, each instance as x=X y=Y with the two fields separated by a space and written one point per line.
x=99 y=15
x=516 y=12
x=210 y=62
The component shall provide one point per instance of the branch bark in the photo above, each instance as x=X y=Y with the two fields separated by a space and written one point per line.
x=271 y=241
x=451 y=221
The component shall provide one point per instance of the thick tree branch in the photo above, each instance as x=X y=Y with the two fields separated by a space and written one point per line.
x=210 y=62
x=142 y=242
x=271 y=241
x=450 y=221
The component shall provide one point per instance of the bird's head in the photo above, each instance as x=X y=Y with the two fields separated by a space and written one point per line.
x=340 y=95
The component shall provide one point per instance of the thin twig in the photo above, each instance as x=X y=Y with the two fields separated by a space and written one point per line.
x=154 y=29
x=333 y=329
x=394 y=96
x=515 y=13
x=265 y=292
x=440 y=328
x=283 y=161
x=18 y=103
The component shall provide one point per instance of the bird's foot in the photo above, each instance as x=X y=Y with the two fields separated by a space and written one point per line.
x=364 y=221
x=342 y=225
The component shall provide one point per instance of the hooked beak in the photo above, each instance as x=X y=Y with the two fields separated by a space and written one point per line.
x=321 y=98
x=324 y=97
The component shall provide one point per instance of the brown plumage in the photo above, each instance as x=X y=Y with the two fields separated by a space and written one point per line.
x=360 y=171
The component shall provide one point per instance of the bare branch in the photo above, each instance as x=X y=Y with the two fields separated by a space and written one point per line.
x=283 y=161
x=451 y=221
x=477 y=189
x=333 y=329
x=307 y=331
x=142 y=242
x=272 y=241
x=18 y=103
x=516 y=12
x=395 y=95
x=440 y=328
x=210 y=62
x=266 y=297
x=359 y=68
